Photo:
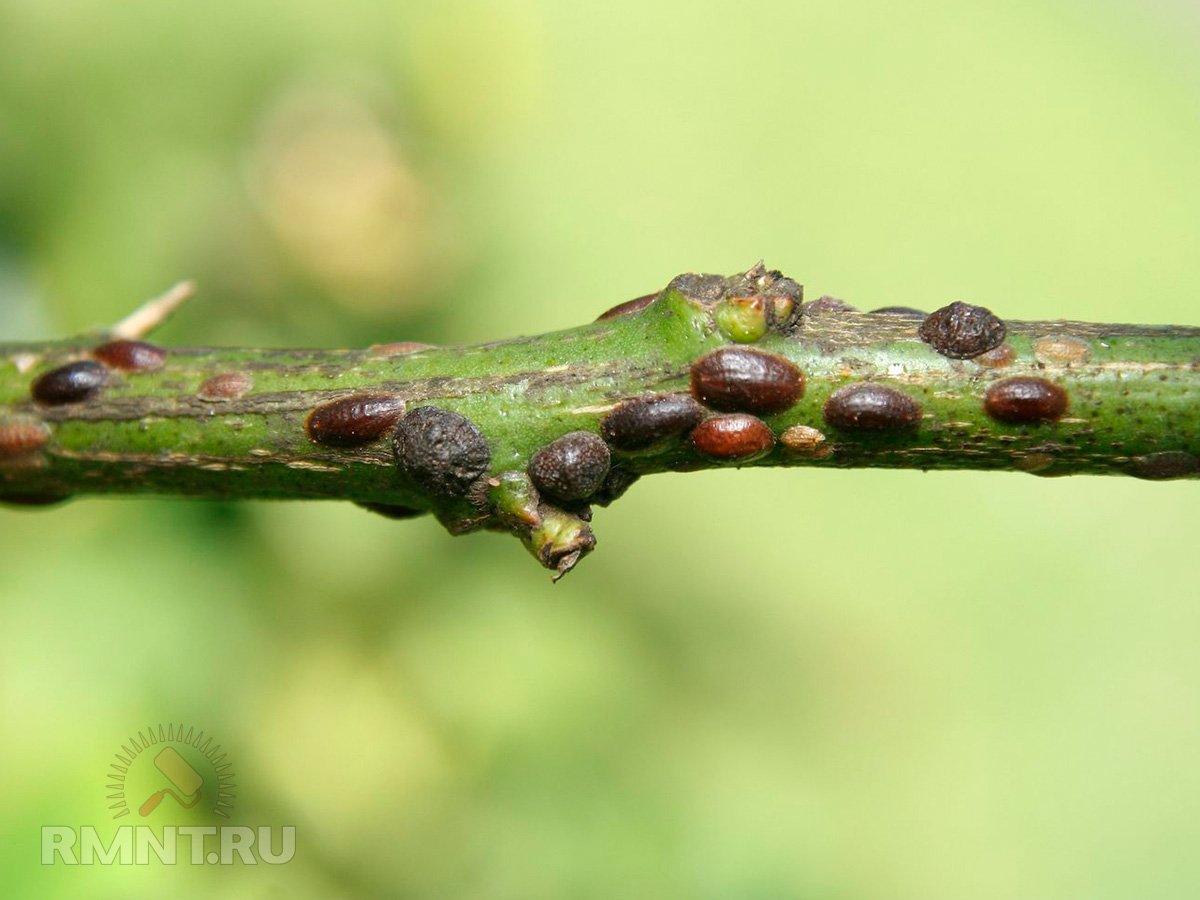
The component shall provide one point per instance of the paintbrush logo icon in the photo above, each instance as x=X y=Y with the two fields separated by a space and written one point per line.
x=183 y=778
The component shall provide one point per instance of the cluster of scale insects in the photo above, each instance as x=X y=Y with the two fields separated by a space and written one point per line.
x=731 y=389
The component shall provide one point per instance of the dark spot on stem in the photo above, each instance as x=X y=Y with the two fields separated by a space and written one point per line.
x=571 y=468
x=131 y=356
x=441 y=450
x=1025 y=401
x=354 y=420
x=737 y=379
x=629 y=306
x=907 y=312
x=871 y=407
x=961 y=331
x=645 y=421
x=70 y=383
x=737 y=436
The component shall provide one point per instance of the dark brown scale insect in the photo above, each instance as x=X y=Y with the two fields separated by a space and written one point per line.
x=737 y=379
x=736 y=436
x=392 y=511
x=33 y=500
x=645 y=421
x=571 y=468
x=629 y=306
x=616 y=483
x=355 y=420
x=131 y=356
x=871 y=407
x=961 y=331
x=705 y=288
x=21 y=436
x=225 y=386
x=908 y=312
x=1025 y=401
x=441 y=450
x=70 y=383
x=1166 y=464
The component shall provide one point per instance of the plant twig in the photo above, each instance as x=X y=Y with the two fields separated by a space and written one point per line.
x=526 y=435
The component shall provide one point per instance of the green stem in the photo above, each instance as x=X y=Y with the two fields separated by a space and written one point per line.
x=1133 y=397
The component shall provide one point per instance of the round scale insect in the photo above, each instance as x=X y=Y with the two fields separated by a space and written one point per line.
x=131 y=356
x=441 y=450
x=71 y=383
x=645 y=421
x=225 y=386
x=571 y=468
x=736 y=436
x=871 y=407
x=738 y=379
x=629 y=306
x=962 y=331
x=355 y=420
x=1025 y=401
x=21 y=436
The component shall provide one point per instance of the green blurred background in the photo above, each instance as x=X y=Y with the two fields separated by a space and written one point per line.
x=764 y=684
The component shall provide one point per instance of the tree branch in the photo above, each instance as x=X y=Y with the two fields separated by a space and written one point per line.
x=524 y=435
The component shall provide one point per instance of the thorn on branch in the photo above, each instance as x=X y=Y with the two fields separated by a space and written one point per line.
x=153 y=313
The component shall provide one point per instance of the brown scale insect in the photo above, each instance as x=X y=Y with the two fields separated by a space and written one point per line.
x=805 y=439
x=131 y=356
x=22 y=436
x=1166 y=464
x=962 y=331
x=871 y=407
x=645 y=421
x=629 y=306
x=70 y=383
x=33 y=500
x=573 y=467
x=399 y=348
x=1025 y=401
x=997 y=357
x=355 y=420
x=1061 y=350
x=441 y=450
x=616 y=483
x=738 y=379
x=907 y=312
x=393 y=511
x=225 y=386
x=705 y=288
x=736 y=436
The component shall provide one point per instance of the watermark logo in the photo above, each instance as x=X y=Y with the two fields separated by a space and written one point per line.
x=172 y=789
x=187 y=768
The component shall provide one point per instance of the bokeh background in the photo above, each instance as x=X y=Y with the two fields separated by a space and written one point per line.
x=763 y=684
